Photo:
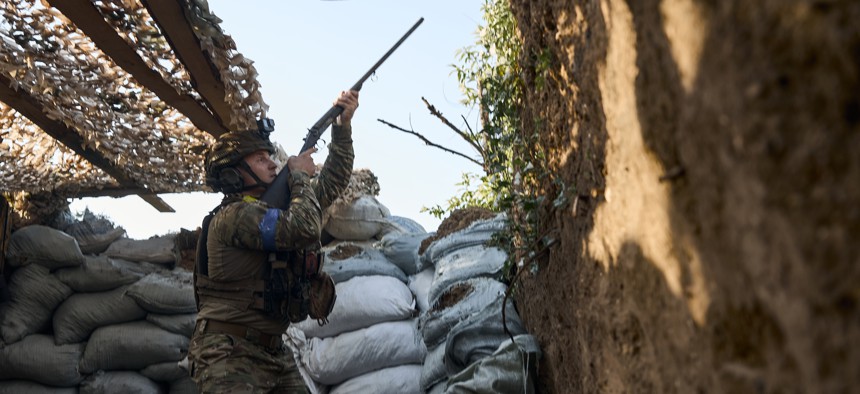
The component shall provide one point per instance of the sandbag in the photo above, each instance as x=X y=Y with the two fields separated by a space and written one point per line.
x=334 y=360
x=170 y=293
x=126 y=382
x=480 y=335
x=358 y=220
x=512 y=368
x=402 y=250
x=27 y=387
x=109 y=347
x=97 y=273
x=36 y=358
x=92 y=242
x=438 y=388
x=402 y=225
x=402 y=379
x=477 y=233
x=45 y=246
x=82 y=313
x=420 y=284
x=94 y=233
x=35 y=293
x=362 y=302
x=183 y=386
x=297 y=345
x=366 y=261
x=433 y=370
x=165 y=372
x=475 y=294
x=466 y=263
x=141 y=267
x=159 y=249
x=178 y=324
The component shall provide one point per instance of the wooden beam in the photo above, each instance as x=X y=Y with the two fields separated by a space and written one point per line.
x=205 y=77
x=115 y=191
x=29 y=107
x=87 y=18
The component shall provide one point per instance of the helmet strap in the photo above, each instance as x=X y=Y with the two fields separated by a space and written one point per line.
x=251 y=172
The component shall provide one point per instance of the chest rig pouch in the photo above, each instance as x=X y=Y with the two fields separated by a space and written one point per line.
x=293 y=286
x=298 y=288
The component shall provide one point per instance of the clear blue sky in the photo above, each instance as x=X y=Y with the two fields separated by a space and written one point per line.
x=306 y=52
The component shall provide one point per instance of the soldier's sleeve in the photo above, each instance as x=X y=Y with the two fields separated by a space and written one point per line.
x=335 y=173
x=258 y=226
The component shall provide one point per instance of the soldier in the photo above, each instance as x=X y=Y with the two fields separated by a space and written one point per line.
x=236 y=346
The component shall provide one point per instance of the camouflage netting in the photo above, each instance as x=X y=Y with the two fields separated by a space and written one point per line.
x=362 y=182
x=47 y=57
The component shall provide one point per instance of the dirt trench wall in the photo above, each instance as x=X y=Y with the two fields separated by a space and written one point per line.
x=714 y=149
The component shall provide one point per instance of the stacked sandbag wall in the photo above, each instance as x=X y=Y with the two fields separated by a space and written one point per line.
x=371 y=342
x=116 y=318
x=475 y=339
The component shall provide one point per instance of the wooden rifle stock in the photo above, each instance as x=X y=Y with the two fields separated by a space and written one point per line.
x=278 y=193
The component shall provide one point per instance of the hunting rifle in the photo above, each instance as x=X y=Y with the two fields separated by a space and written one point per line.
x=278 y=193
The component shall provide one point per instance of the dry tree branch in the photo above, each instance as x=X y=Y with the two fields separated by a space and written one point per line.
x=459 y=132
x=428 y=142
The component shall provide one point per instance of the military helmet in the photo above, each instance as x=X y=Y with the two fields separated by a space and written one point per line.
x=227 y=152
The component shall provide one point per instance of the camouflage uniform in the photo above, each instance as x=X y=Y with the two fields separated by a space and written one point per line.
x=238 y=248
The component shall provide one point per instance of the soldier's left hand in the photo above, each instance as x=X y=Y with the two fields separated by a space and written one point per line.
x=348 y=100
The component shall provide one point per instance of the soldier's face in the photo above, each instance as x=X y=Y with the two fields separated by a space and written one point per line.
x=262 y=165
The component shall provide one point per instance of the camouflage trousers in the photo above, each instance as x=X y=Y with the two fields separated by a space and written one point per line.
x=223 y=363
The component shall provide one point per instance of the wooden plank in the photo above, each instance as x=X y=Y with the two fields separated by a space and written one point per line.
x=29 y=107
x=87 y=18
x=205 y=77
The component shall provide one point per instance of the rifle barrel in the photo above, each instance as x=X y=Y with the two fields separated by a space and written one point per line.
x=316 y=131
x=278 y=193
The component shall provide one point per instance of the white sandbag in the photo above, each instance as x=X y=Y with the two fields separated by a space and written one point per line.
x=169 y=293
x=165 y=372
x=126 y=382
x=433 y=370
x=474 y=295
x=178 y=324
x=297 y=344
x=512 y=368
x=141 y=267
x=183 y=386
x=402 y=225
x=45 y=246
x=480 y=335
x=97 y=273
x=159 y=249
x=362 y=302
x=438 y=388
x=27 y=387
x=402 y=379
x=92 y=242
x=36 y=358
x=420 y=284
x=360 y=260
x=82 y=313
x=477 y=233
x=402 y=250
x=109 y=347
x=466 y=263
x=334 y=360
x=359 y=220
x=35 y=293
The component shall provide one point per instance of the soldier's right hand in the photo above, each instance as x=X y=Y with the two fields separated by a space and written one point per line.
x=303 y=162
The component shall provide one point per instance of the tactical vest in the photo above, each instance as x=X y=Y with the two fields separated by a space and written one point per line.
x=292 y=285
